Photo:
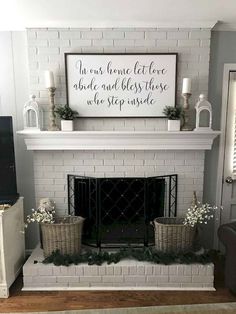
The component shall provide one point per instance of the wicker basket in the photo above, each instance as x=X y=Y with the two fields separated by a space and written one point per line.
x=172 y=236
x=63 y=235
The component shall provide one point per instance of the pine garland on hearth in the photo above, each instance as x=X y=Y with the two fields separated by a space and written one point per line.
x=145 y=254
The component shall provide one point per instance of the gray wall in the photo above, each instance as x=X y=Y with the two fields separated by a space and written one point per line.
x=14 y=92
x=223 y=50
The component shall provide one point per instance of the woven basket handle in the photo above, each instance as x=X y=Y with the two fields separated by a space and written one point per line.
x=82 y=218
x=152 y=224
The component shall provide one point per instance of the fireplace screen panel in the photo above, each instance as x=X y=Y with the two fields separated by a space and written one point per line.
x=118 y=211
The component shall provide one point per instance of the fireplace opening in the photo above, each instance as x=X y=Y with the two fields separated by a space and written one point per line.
x=118 y=211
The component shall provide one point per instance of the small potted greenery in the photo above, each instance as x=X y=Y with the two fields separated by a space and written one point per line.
x=174 y=115
x=67 y=115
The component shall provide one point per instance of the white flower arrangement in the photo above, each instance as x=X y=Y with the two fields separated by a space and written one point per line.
x=45 y=213
x=199 y=214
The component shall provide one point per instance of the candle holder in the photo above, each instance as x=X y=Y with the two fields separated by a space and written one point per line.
x=186 y=126
x=52 y=115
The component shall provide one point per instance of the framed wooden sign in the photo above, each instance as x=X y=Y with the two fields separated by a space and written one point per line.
x=121 y=85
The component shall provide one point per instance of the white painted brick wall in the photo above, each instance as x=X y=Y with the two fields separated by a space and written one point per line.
x=51 y=169
x=46 y=49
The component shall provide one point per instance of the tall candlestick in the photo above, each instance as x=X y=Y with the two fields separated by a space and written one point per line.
x=49 y=79
x=186 y=89
x=52 y=116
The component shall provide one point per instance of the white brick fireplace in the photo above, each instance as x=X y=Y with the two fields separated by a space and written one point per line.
x=51 y=169
x=46 y=51
x=118 y=147
x=118 y=154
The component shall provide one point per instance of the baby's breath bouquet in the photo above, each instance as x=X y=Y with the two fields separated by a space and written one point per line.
x=199 y=214
x=44 y=213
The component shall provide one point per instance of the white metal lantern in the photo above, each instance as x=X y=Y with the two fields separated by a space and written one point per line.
x=32 y=115
x=203 y=106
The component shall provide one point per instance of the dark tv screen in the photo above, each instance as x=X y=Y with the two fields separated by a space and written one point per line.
x=8 y=189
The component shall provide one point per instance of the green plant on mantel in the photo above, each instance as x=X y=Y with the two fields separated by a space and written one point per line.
x=173 y=113
x=66 y=113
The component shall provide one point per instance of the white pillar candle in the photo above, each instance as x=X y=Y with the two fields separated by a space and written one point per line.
x=186 y=89
x=49 y=79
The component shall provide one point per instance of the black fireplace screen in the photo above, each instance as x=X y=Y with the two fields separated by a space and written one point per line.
x=118 y=211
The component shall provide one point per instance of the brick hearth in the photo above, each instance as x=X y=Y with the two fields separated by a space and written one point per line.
x=125 y=275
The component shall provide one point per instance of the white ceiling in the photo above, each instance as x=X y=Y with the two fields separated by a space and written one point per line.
x=18 y=14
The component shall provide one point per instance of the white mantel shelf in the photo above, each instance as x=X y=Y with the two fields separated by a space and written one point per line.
x=118 y=140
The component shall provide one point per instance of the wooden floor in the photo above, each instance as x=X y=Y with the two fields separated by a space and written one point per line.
x=58 y=301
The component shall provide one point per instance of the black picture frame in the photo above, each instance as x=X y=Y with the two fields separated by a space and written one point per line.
x=67 y=55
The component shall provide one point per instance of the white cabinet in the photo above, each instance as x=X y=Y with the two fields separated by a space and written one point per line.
x=12 y=245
